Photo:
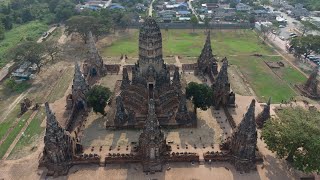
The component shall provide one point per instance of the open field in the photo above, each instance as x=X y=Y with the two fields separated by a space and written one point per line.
x=5 y=145
x=185 y=43
x=30 y=31
x=30 y=137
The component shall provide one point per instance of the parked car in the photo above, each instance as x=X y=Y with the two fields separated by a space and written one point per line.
x=313 y=58
x=281 y=26
x=282 y=38
x=293 y=34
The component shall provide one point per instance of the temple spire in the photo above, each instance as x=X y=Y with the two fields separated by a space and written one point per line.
x=221 y=87
x=312 y=83
x=176 y=78
x=125 y=78
x=244 y=141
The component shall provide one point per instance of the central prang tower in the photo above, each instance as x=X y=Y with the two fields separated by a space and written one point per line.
x=150 y=47
x=150 y=80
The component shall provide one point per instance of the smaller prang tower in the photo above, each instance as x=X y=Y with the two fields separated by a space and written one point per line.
x=152 y=143
x=221 y=88
x=243 y=142
x=264 y=115
x=207 y=64
x=59 y=146
x=311 y=86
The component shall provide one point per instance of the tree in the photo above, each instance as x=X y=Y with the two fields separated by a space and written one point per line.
x=2 y=31
x=295 y=135
x=305 y=45
x=97 y=98
x=194 y=22
x=82 y=25
x=64 y=9
x=264 y=32
x=307 y=26
x=52 y=49
x=200 y=94
x=265 y=2
x=29 y=51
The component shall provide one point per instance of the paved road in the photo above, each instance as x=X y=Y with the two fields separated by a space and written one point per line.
x=192 y=9
x=151 y=8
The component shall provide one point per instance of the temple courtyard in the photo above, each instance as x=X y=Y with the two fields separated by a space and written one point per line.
x=250 y=78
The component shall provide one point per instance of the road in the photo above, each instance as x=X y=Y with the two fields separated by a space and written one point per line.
x=151 y=8
x=40 y=40
x=192 y=9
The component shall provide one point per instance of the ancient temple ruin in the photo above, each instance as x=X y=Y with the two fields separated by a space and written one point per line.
x=207 y=64
x=312 y=83
x=151 y=74
x=152 y=143
x=264 y=115
x=59 y=147
x=93 y=65
x=76 y=101
x=222 y=95
x=79 y=89
x=243 y=142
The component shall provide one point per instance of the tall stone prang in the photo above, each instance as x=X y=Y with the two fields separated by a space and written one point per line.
x=59 y=146
x=221 y=88
x=244 y=141
x=207 y=64
x=150 y=79
x=77 y=98
x=311 y=85
x=150 y=47
x=93 y=65
x=264 y=115
x=152 y=142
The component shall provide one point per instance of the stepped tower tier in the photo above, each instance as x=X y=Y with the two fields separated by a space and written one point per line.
x=150 y=47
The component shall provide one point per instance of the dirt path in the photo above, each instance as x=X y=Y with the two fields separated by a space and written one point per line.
x=63 y=37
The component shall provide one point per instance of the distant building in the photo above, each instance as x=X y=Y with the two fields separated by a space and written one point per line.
x=224 y=13
x=24 y=71
x=167 y=15
x=243 y=7
x=116 y=6
x=299 y=11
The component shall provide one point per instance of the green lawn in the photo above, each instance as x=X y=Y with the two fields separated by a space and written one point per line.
x=6 y=144
x=30 y=31
x=264 y=82
x=5 y=125
x=185 y=43
x=32 y=133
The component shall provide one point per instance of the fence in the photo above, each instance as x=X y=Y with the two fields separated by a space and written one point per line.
x=198 y=26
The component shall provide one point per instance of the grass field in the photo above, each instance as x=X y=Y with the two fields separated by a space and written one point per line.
x=185 y=43
x=31 y=134
x=6 y=144
x=30 y=31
